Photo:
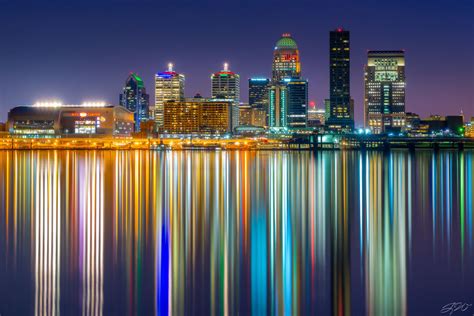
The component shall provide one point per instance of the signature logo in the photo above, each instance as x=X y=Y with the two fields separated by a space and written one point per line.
x=455 y=307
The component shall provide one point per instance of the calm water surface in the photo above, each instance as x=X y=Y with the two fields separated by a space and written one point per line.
x=180 y=233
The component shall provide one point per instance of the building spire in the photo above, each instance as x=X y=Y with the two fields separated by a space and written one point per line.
x=170 y=67
x=226 y=66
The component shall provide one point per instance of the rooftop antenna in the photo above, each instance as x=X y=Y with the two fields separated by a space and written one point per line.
x=170 y=67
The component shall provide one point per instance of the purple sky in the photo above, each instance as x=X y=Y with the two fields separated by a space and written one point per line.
x=85 y=50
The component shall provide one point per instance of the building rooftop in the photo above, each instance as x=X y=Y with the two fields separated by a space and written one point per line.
x=286 y=42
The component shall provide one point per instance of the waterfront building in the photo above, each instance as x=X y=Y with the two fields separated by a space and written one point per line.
x=245 y=114
x=340 y=113
x=288 y=92
x=197 y=116
x=135 y=99
x=258 y=92
x=169 y=86
x=278 y=99
x=259 y=117
x=259 y=89
x=55 y=119
x=316 y=117
x=455 y=124
x=286 y=59
x=250 y=116
x=412 y=122
x=385 y=91
x=469 y=128
x=225 y=84
x=297 y=104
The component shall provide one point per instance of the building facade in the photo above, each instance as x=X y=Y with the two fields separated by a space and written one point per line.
x=340 y=114
x=70 y=121
x=286 y=59
x=197 y=116
x=169 y=86
x=259 y=89
x=385 y=91
x=135 y=99
x=316 y=117
x=278 y=105
x=225 y=84
x=297 y=104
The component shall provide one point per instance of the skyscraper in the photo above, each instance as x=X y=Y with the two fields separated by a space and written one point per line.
x=135 y=99
x=169 y=86
x=288 y=92
x=340 y=116
x=225 y=84
x=286 y=59
x=278 y=105
x=297 y=104
x=258 y=95
x=385 y=91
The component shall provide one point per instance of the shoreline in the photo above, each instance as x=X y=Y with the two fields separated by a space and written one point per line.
x=318 y=143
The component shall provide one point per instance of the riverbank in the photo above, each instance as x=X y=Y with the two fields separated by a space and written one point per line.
x=319 y=142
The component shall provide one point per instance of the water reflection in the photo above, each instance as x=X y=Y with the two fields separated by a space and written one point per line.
x=140 y=232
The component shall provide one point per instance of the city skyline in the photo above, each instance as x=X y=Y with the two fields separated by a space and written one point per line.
x=443 y=89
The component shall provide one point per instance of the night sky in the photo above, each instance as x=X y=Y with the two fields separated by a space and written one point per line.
x=83 y=50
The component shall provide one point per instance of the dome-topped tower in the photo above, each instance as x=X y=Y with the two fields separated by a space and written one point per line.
x=286 y=59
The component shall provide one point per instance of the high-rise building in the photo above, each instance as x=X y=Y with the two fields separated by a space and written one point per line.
x=258 y=96
x=169 y=86
x=135 y=99
x=278 y=105
x=225 y=85
x=297 y=104
x=197 y=116
x=340 y=114
x=385 y=91
x=286 y=59
x=288 y=91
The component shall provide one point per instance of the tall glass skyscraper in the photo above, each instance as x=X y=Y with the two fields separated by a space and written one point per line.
x=385 y=91
x=286 y=59
x=135 y=99
x=169 y=86
x=258 y=95
x=341 y=114
x=225 y=84
x=297 y=104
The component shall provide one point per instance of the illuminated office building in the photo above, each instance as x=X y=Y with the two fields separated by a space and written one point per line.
x=297 y=105
x=52 y=120
x=197 y=116
x=225 y=85
x=249 y=116
x=286 y=59
x=245 y=115
x=385 y=91
x=169 y=86
x=135 y=99
x=288 y=95
x=258 y=92
x=278 y=99
x=258 y=96
x=340 y=113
